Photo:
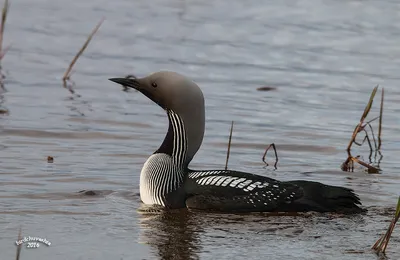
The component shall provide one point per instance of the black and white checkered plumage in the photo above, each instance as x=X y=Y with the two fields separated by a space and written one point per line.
x=227 y=190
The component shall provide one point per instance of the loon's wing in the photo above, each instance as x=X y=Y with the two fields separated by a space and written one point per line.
x=233 y=191
x=325 y=198
x=226 y=190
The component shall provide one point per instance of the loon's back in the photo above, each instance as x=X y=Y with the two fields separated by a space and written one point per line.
x=234 y=191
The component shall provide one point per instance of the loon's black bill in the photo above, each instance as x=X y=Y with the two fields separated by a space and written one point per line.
x=127 y=82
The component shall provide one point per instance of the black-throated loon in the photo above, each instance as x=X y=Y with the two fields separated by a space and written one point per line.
x=166 y=179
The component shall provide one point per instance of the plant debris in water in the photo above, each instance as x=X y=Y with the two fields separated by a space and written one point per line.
x=130 y=76
x=229 y=147
x=266 y=88
x=382 y=243
x=276 y=155
x=68 y=84
x=263 y=158
x=88 y=192
x=4 y=13
x=371 y=167
x=19 y=247
x=4 y=111
x=380 y=121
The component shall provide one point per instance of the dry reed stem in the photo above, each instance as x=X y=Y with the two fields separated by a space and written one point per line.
x=370 y=168
x=380 y=120
x=4 y=13
x=229 y=147
x=3 y=22
x=360 y=128
x=19 y=247
x=68 y=71
x=276 y=155
x=364 y=115
x=382 y=243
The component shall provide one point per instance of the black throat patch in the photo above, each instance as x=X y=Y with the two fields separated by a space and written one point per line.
x=168 y=143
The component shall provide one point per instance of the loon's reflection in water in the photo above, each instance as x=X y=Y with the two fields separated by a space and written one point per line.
x=184 y=234
x=172 y=234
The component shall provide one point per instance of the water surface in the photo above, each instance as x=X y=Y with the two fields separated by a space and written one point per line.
x=321 y=57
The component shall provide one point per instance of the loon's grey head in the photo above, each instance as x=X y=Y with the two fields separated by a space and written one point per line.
x=174 y=92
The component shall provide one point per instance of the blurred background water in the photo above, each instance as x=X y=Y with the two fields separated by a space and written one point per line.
x=322 y=57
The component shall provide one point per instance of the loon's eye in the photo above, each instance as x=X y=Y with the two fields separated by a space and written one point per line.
x=154 y=84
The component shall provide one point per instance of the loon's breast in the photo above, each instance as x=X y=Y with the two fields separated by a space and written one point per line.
x=159 y=178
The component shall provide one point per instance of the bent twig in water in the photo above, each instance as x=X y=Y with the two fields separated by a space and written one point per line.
x=276 y=155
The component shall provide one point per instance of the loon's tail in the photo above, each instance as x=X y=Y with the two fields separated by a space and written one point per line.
x=325 y=198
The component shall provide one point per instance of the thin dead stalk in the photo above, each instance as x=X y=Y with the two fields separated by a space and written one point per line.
x=67 y=73
x=364 y=115
x=276 y=155
x=229 y=147
x=4 y=13
x=380 y=120
x=19 y=247
x=382 y=243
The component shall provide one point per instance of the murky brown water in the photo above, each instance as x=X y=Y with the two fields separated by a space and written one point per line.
x=322 y=57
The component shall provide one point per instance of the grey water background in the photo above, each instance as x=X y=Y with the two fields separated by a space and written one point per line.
x=323 y=57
